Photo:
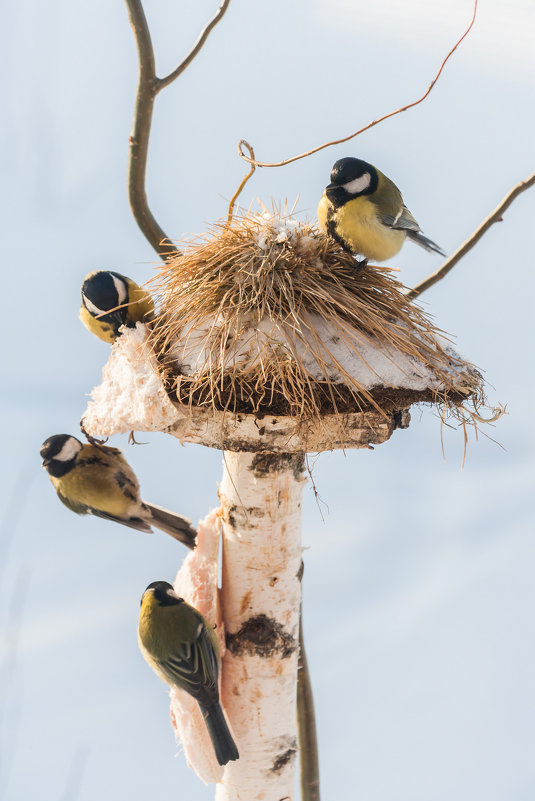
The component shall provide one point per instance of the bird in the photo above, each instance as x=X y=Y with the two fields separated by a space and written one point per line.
x=182 y=648
x=363 y=211
x=97 y=480
x=103 y=291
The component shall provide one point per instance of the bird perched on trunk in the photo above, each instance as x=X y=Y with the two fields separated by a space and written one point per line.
x=182 y=648
x=97 y=480
x=363 y=211
x=110 y=300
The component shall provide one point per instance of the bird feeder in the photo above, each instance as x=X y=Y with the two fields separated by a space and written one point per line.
x=270 y=342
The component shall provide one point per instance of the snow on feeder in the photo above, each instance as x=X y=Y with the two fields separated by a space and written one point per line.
x=270 y=342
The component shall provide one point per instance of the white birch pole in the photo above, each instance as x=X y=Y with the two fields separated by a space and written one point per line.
x=261 y=496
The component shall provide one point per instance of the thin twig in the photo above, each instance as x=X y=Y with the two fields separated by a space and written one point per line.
x=148 y=87
x=161 y=83
x=495 y=216
x=306 y=727
x=374 y=122
x=239 y=190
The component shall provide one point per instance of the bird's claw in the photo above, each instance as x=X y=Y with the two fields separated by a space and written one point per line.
x=89 y=438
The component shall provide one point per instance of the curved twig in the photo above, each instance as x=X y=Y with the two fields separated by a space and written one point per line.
x=148 y=87
x=239 y=190
x=495 y=216
x=374 y=122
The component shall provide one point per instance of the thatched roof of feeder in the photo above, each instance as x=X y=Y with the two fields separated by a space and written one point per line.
x=270 y=336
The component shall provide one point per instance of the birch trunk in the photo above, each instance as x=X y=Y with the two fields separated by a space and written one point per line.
x=260 y=497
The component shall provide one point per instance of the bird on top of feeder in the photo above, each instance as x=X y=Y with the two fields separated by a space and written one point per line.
x=363 y=211
x=96 y=479
x=110 y=300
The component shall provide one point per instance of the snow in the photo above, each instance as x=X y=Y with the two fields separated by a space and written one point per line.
x=131 y=395
x=278 y=229
x=341 y=352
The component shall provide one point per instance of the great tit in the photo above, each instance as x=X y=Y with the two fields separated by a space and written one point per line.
x=364 y=212
x=182 y=648
x=97 y=480
x=102 y=292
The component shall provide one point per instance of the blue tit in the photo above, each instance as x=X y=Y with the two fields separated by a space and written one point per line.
x=97 y=480
x=364 y=212
x=182 y=648
x=103 y=292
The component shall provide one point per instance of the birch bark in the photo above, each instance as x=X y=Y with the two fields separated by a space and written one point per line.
x=260 y=497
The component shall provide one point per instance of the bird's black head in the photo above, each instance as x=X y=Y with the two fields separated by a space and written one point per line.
x=351 y=178
x=59 y=454
x=164 y=593
x=104 y=290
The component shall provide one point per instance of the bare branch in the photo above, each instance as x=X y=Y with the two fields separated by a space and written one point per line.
x=306 y=727
x=244 y=180
x=161 y=83
x=374 y=122
x=495 y=216
x=139 y=138
x=148 y=87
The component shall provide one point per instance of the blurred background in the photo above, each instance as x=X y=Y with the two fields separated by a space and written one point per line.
x=418 y=586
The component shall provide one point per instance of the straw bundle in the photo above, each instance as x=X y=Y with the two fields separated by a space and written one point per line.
x=268 y=315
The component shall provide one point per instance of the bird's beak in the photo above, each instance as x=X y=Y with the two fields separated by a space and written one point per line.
x=45 y=463
x=335 y=194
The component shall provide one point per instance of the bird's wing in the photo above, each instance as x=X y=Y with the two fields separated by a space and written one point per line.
x=403 y=221
x=84 y=509
x=131 y=522
x=194 y=667
x=78 y=508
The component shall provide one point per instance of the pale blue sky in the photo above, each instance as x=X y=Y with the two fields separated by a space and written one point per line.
x=419 y=584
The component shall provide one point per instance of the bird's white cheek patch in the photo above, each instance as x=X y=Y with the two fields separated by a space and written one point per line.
x=69 y=450
x=120 y=288
x=358 y=185
x=91 y=308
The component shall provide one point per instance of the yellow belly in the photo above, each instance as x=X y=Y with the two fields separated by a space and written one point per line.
x=94 y=487
x=357 y=224
x=97 y=327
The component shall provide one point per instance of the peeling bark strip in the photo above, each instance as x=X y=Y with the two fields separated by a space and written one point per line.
x=260 y=497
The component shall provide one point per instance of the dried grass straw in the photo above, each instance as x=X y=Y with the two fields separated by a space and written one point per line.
x=266 y=272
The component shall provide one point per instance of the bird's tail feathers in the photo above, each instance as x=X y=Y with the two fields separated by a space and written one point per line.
x=176 y=526
x=224 y=746
x=424 y=242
